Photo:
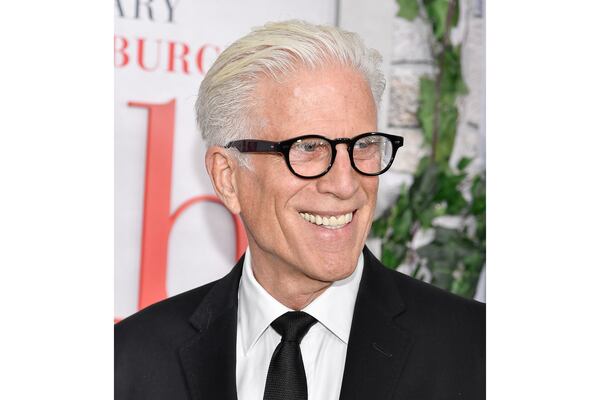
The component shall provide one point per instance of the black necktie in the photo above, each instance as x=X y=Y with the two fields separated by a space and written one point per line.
x=286 y=378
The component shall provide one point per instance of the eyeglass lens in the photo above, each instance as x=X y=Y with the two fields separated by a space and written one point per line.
x=312 y=156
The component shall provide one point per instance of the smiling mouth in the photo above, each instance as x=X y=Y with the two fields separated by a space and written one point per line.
x=330 y=222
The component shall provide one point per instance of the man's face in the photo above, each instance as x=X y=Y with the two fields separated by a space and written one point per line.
x=334 y=102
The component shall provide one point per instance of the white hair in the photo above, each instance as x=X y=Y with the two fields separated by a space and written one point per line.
x=225 y=99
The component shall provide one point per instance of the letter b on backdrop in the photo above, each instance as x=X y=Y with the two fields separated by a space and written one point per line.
x=157 y=217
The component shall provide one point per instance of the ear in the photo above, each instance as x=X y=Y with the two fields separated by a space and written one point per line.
x=221 y=170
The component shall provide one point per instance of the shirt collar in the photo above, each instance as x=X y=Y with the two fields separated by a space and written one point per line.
x=334 y=308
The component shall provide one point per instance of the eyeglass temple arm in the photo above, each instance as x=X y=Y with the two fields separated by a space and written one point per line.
x=254 y=146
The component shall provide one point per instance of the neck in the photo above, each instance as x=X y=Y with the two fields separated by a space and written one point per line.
x=286 y=284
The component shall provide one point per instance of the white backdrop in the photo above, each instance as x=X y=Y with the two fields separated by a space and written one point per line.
x=201 y=246
x=180 y=39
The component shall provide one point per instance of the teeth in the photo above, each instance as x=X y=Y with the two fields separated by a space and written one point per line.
x=331 y=222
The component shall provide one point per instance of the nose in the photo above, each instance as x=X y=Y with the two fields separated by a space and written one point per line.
x=342 y=180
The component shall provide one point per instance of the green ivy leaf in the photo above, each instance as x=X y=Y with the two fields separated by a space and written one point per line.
x=403 y=201
x=424 y=163
x=441 y=271
x=461 y=87
x=445 y=144
x=379 y=227
x=445 y=235
x=463 y=163
x=454 y=258
x=431 y=252
x=456 y=13
x=449 y=192
x=392 y=254
x=478 y=195
x=426 y=216
x=436 y=11
x=402 y=225
x=426 y=107
x=480 y=229
x=409 y=9
x=424 y=188
x=473 y=261
x=451 y=80
x=466 y=285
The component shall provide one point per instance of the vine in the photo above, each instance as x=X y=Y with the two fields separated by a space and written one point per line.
x=454 y=257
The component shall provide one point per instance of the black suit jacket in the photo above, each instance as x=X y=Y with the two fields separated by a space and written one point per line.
x=409 y=340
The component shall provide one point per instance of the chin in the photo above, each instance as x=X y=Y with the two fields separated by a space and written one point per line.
x=333 y=270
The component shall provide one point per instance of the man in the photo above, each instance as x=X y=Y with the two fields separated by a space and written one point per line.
x=289 y=116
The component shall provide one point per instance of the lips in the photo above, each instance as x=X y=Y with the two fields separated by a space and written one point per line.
x=328 y=221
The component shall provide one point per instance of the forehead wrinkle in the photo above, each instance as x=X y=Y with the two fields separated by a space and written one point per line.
x=313 y=113
x=296 y=101
x=317 y=117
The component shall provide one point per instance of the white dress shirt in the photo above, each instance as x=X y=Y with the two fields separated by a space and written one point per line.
x=323 y=348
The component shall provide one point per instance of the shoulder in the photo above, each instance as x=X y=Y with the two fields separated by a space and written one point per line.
x=147 y=343
x=429 y=306
x=447 y=331
x=167 y=320
x=169 y=323
x=423 y=296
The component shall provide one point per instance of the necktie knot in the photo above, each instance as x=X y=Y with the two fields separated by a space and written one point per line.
x=286 y=379
x=293 y=325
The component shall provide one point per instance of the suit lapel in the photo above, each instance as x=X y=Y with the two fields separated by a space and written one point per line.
x=208 y=359
x=378 y=346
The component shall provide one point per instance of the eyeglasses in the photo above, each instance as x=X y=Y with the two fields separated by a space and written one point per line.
x=312 y=156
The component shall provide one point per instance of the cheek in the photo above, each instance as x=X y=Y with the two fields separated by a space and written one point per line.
x=252 y=197
x=370 y=186
x=249 y=190
x=263 y=195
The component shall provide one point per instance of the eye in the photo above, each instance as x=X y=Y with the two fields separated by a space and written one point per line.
x=311 y=145
x=367 y=142
x=308 y=146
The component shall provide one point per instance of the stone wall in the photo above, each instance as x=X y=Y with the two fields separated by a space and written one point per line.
x=407 y=56
x=411 y=58
x=405 y=47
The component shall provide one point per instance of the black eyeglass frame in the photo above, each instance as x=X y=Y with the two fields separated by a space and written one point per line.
x=283 y=148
